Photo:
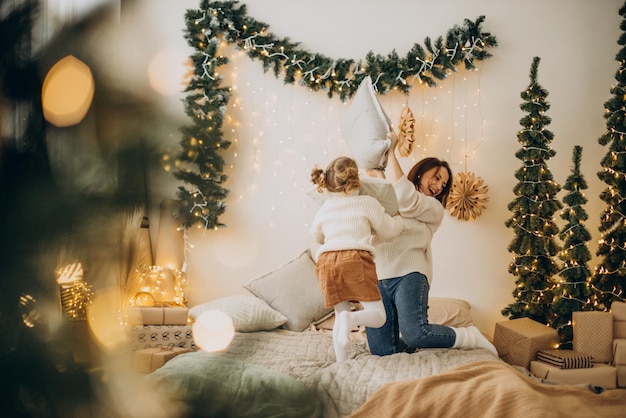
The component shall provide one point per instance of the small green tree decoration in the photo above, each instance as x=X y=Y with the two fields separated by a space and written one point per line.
x=572 y=293
x=533 y=210
x=609 y=277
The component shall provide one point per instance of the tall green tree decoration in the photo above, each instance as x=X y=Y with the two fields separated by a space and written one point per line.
x=533 y=210
x=609 y=278
x=572 y=293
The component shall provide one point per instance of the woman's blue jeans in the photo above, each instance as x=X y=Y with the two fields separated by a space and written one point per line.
x=407 y=328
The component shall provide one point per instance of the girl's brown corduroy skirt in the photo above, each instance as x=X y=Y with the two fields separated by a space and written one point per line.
x=348 y=275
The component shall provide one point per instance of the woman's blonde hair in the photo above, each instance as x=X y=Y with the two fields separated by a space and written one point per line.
x=341 y=175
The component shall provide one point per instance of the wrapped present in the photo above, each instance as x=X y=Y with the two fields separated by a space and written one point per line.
x=519 y=340
x=599 y=375
x=621 y=376
x=593 y=334
x=148 y=336
x=619 y=329
x=565 y=359
x=619 y=351
x=148 y=360
x=618 y=309
x=153 y=315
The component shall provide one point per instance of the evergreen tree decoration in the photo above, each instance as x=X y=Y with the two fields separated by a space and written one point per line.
x=533 y=210
x=609 y=277
x=200 y=163
x=572 y=293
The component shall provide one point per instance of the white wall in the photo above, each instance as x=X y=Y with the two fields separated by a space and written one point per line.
x=280 y=132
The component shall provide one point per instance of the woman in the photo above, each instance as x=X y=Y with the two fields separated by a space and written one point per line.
x=404 y=264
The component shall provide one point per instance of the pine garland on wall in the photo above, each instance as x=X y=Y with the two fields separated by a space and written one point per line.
x=533 y=210
x=572 y=293
x=609 y=277
x=200 y=164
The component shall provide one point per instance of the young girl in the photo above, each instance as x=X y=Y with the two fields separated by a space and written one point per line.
x=344 y=226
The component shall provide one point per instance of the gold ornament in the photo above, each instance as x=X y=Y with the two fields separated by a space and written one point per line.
x=468 y=196
x=406 y=127
x=142 y=299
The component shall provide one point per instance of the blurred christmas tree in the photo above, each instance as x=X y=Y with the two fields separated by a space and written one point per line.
x=609 y=277
x=533 y=210
x=51 y=219
x=572 y=293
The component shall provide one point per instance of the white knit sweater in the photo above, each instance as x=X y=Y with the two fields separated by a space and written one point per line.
x=411 y=250
x=347 y=222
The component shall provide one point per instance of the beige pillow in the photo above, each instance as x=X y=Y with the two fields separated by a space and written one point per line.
x=449 y=311
x=248 y=312
x=294 y=291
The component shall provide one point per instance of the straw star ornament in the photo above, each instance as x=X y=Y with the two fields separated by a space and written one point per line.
x=468 y=196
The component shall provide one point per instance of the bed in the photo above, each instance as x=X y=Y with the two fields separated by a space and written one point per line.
x=281 y=363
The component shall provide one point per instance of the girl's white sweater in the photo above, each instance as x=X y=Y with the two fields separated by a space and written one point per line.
x=348 y=221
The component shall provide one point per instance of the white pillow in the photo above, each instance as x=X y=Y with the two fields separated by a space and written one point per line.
x=380 y=189
x=367 y=128
x=248 y=313
x=294 y=291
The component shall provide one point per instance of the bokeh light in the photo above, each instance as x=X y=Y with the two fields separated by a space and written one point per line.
x=103 y=315
x=67 y=92
x=213 y=330
x=167 y=71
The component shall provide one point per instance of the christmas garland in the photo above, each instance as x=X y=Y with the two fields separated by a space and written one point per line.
x=207 y=99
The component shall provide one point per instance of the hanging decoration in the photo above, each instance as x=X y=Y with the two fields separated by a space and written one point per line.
x=406 y=136
x=76 y=294
x=468 y=196
x=200 y=164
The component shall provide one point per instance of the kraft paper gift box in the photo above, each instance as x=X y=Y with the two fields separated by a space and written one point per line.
x=621 y=376
x=593 y=334
x=619 y=360
x=150 y=359
x=163 y=315
x=599 y=375
x=618 y=309
x=519 y=340
x=148 y=336
x=619 y=351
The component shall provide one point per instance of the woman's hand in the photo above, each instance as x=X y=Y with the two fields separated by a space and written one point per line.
x=394 y=139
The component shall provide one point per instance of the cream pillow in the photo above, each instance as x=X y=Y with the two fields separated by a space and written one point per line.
x=367 y=129
x=248 y=312
x=294 y=291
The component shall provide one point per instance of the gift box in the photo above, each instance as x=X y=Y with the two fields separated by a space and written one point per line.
x=565 y=359
x=148 y=360
x=593 y=334
x=519 y=340
x=619 y=351
x=619 y=360
x=618 y=309
x=163 y=315
x=148 y=336
x=619 y=329
x=599 y=375
x=621 y=376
